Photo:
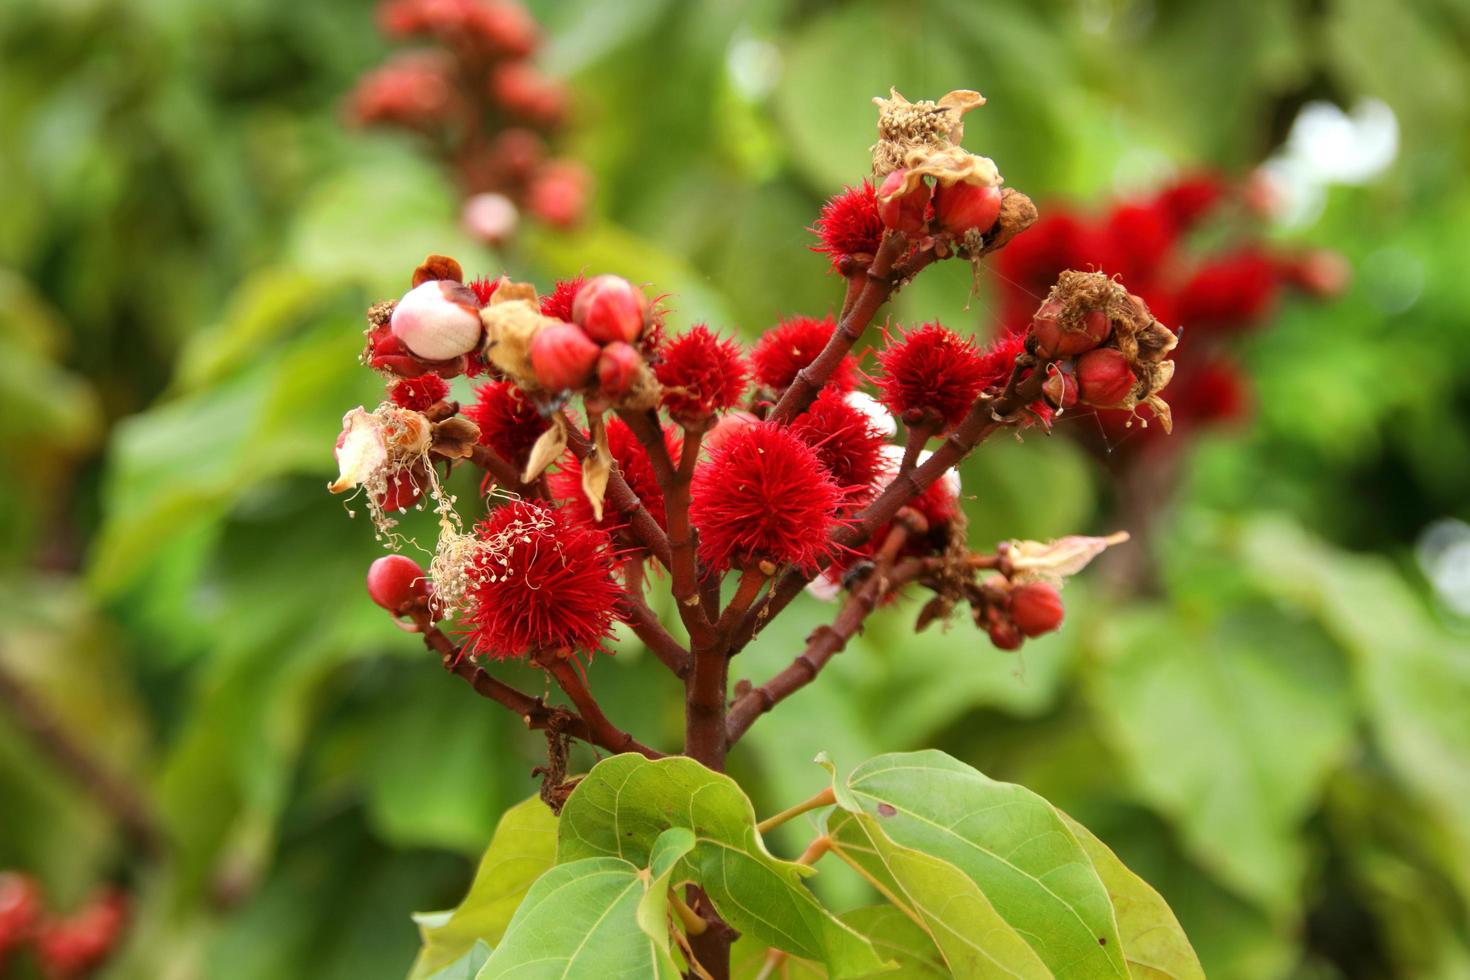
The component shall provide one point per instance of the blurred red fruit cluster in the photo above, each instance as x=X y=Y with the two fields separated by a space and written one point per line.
x=1209 y=297
x=61 y=947
x=474 y=92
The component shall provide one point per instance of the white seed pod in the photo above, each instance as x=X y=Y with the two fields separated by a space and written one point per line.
x=438 y=320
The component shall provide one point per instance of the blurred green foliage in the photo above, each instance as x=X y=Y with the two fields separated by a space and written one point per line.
x=1277 y=739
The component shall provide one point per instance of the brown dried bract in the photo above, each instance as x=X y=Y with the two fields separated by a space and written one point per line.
x=905 y=126
x=512 y=320
x=455 y=438
x=437 y=267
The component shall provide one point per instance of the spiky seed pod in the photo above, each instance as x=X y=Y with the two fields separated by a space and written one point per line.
x=790 y=346
x=538 y=580
x=420 y=392
x=849 y=225
x=847 y=441
x=557 y=304
x=509 y=423
x=701 y=374
x=764 y=496
x=931 y=372
x=633 y=464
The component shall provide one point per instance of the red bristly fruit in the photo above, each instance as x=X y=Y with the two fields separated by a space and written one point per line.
x=396 y=580
x=557 y=304
x=1036 y=608
x=438 y=320
x=931 y=372
x=903 y=212
x=1104 y=378
x=849 y=225
x=847 y=442
x=1056 y=339
x=21 y=907
x=419 y=393
x=961 y=207
x=509 y=423
x=542 y=581
x=763 y=496
x=701 y=374
x=563 y=357
x=633 y=464
x=617 y=367
x=791 y=345
x=610 y=308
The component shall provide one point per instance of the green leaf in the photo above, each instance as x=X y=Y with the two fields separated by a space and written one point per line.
x=900 y=939
x=971 y=936
x=622 y=806
x=467 y=966
x=584 y=919
x=1154 y=944
x=524 y=846
x=1004 y=838
x=1200 y=712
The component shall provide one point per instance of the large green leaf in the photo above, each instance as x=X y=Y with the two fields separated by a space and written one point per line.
x=1153 y=942
x=467 y=966
x=1007 y=840
x=622 y=806
x=584 y=919
x=973 y=939
x=1200 y=713
x=896 y=936
x=524 y=846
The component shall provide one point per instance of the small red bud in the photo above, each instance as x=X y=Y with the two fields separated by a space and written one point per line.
x=405 y=487
x=395 y=580
x=438 y=320
x=617 y=367
x=903 y=212
x=959 y=207
x=21 y=907
x=1060 y=386
x=1104 y=378
x=563 y=357
x=1055 y=340
x=1036 y=608
x=1004 y=635
x=610 y=308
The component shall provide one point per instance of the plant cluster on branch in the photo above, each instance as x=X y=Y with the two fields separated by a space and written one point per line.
x=611 y=449
x=472 y=91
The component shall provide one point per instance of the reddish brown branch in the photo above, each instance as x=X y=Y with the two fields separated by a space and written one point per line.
x=534 y=711
x=125 y=807
x=497 y=466
x=646 y=627
x=602 y=732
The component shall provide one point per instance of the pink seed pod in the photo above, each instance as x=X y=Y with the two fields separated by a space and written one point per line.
x=1104 y=378
x=903 y=212
x=563 y=357
x=438 y=320
x=1060 y=386
x=617 y=367
x=960 y=207
x=1055 y=340
x=610 y=308
x=395 y=580
x=1036 y=608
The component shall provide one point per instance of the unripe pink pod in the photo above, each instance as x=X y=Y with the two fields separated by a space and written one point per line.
x=610 y=308
x=563 y=357
x=395 y=580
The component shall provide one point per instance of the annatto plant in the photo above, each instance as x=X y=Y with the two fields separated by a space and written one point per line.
x=653 y=865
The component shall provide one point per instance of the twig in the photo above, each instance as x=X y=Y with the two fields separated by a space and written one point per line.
x=601 y=731
x=646 y=626
x=621 y=498
x=127 y=809
x=825 y=798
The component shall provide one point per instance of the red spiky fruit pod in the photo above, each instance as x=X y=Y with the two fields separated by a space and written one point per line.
x=419 y=393
x=764 y=496
x=791 y=345
x=849 y=225
x=848 y=443
x=509 y=423
x=930 y=372
x=999 y=359
x=633 y=464
x=701 y=374
x=557 y=304
x=484 y=287
x=541 y=580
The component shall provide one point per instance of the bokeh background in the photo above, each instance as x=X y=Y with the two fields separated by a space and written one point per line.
x=1265 y=710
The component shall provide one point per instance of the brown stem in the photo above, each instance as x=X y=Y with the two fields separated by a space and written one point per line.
x=827 y=641
x=602 y=731
x=879 y=285
x=646 y=627
x=984 y=418
x=535 y=712
x=621 y=498
x=126 y=808
x=499 y=467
